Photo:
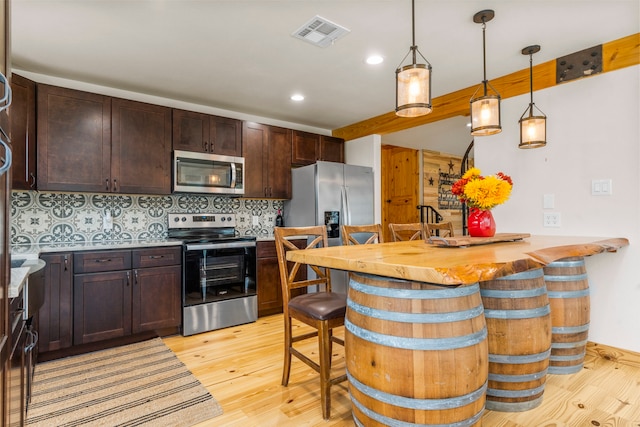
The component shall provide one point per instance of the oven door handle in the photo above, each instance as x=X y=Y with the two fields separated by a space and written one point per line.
x=226 y=245
x=233 y=175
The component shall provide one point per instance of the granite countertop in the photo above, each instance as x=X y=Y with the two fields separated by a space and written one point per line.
x=22 y=251
x=18 y=279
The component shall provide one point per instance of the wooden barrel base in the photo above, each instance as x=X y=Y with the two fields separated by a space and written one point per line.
x=519 y=335
x=568 y=290
x=416 y=353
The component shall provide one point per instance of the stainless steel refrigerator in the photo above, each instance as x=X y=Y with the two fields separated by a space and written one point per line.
x=331 y=194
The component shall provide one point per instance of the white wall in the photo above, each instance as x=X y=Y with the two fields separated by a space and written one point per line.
x=365 y=151
x=593 y=132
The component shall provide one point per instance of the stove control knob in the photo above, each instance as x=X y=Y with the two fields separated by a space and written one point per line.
x=176 y=219
x=184 y=218
x=228 y=218
x=223 y=219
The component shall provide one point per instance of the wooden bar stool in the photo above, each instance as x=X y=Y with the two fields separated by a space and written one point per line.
x=322 y=310
x=361 y=234
x=440 y=229
x=411 y=231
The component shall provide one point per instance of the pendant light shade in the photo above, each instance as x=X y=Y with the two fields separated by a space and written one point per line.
x=413 y=81
x=485 y=106
x=533 y=126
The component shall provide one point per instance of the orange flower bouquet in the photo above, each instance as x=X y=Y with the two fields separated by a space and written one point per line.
x=481 y=194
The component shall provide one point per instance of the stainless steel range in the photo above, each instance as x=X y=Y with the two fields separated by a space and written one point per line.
x=219 y=272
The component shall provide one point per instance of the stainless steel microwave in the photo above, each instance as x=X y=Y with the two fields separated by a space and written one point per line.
x=207 y=173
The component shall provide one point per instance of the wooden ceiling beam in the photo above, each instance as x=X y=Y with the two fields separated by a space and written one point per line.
x=621 y=53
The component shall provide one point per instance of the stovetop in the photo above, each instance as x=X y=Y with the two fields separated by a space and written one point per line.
x=204 y=228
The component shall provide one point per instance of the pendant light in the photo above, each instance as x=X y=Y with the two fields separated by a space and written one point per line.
x=533 y=129
x=485 y=109
x=413 y=81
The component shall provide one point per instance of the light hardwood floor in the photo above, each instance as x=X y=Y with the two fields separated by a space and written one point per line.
x=242 y=367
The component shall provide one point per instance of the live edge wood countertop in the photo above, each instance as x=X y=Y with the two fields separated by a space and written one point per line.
x=423 y=262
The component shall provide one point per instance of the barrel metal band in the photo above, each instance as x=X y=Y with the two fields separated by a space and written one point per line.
x=392 y=422
x=527 y=358
x=565 y=277
x=395 y=316
x=414 y=403
x=517 y=378
x=518 y=314
x=569 y=358
x=445 y=292
x=564 y=370
x=449 y=343
x=525 y=293
x=575 y=344
x=515 y=393
x=569 y=294
x=574 y=263
x=570 y=329
x=529 y=274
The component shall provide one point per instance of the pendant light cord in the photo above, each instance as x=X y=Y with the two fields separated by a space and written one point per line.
x=531 y=79
x=414 y=48
x=484 y=55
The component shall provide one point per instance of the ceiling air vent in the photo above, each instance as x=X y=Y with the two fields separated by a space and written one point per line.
x=320 y=32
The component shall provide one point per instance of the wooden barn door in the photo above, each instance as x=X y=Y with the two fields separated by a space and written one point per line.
x=400 y=186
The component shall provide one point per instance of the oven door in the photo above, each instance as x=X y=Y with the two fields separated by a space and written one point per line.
x=218 y=274
x=207 y=173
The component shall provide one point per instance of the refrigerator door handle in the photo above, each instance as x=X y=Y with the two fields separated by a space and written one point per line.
x=347 y=209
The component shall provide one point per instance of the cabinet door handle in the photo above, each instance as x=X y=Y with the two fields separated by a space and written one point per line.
x=7 y=155
x=33 y=181
x=103 y=260
x=156 y=256
x=206 y=146
x=107 y=184
x=66 y=263
x=135 y=273
x=6 y=97
x=128 y=278
x=115 y=185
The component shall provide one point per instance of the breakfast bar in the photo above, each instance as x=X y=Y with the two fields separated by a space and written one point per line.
x=433 y=331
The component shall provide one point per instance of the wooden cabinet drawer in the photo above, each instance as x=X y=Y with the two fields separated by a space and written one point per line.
x=157 y=257
x=94 y=262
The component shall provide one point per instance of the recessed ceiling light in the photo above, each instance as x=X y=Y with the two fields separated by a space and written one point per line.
x=297 y=97
x=375 y=60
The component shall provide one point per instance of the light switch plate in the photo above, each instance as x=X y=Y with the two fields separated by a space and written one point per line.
x=548 y=201
x=601 y=187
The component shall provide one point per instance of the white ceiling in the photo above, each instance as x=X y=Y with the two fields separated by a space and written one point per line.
x=240 y=55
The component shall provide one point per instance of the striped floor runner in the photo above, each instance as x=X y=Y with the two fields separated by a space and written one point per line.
x=133 y=385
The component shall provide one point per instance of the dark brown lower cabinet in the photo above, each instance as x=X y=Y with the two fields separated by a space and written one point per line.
x=101 y=306
x=269 y=288
x=156 y=298
x=119 y=293
x=55 y=324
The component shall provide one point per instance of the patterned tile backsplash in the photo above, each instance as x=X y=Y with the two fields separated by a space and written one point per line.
x=39 y=217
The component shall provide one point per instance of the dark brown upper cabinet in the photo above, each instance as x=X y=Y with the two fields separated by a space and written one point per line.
x=331 y=149
x=140 y=147
x=205 y=133
x=307 y=148
x=267 y=161
x=94 y=143
x=23 y=133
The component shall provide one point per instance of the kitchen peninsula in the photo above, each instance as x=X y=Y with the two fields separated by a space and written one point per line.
x=418 y=349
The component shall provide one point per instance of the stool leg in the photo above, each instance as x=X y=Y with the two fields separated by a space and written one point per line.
x=287 y=350
x=324 y=334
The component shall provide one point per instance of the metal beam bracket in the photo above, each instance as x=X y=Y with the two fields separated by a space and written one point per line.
x=579 y=64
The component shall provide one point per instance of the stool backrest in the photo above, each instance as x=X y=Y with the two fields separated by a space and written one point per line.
x=411 y=231
x=361 y=234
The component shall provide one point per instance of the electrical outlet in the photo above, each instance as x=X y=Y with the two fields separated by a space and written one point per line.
x=256 y=220
x=107 y=222
x=551 y=219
